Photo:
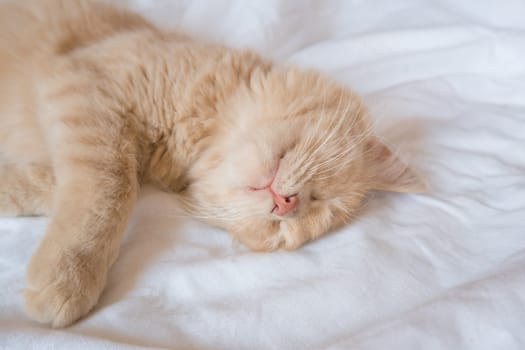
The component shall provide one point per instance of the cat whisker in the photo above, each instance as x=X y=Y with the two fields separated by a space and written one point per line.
x=320 y=146
x=359 y=139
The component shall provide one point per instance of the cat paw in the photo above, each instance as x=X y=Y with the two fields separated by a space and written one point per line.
x=291 y=236
x=60 y=293
x=270 y=236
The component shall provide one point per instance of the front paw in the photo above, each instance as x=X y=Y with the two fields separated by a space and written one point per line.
x=272 y=235
x=291 y=235
x=61 y=287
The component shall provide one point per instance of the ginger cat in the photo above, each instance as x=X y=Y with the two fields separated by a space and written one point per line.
x=96 y=101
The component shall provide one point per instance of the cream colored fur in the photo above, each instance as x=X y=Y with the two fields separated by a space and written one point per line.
x=96 y=101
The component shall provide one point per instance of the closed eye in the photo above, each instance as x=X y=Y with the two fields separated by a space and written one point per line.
x=314 y=196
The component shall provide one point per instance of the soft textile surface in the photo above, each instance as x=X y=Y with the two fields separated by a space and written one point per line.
x=446 y=83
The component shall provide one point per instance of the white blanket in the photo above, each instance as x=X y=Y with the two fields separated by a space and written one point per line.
x=445 y=81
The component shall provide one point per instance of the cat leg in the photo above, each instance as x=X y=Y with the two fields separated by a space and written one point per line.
x=26 y=189
x=96 y=185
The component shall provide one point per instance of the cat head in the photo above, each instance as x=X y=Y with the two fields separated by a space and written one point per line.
x=293 y=157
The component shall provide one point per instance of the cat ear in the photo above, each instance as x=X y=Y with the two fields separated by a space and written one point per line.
x=388 y=172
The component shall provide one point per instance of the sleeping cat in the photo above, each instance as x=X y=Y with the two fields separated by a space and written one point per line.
x=95 y=101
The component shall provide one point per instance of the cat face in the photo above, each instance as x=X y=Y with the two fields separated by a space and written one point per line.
x=293 y=158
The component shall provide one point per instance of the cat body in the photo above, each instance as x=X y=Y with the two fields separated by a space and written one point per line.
x=96 y=101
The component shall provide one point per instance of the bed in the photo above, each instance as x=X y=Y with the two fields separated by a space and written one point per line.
x=445 y=81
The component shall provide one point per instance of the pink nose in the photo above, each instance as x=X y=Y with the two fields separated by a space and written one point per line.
x=283 y=204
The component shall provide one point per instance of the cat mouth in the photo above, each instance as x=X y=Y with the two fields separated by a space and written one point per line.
x=282 y=204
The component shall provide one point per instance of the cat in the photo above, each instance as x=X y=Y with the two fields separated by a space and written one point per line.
x=96 y=101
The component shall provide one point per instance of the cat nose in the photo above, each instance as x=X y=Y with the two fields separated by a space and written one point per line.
x=284 y=204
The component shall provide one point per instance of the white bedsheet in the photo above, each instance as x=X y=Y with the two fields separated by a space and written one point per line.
x=445 y=80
